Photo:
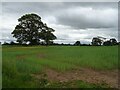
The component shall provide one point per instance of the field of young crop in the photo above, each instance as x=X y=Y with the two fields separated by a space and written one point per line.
x=59 y=66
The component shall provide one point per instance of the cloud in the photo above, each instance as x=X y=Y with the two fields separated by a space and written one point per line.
x=83 y=18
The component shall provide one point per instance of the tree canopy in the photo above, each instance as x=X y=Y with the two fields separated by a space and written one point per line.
x=77 y=43
x=96 y=41
x=31 y=29
x=110 y=42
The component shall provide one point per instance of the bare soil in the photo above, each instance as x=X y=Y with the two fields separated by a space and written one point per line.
x=21 y=57
x=87 y=75
x=41 y=55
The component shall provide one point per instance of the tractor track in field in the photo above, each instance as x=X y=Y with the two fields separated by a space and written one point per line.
x=21 y=57
x=87 y=75
x=41 y=55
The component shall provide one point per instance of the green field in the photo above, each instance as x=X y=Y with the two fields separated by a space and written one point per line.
x=20 y=63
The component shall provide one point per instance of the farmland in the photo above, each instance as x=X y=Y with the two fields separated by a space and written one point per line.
x=59 y=66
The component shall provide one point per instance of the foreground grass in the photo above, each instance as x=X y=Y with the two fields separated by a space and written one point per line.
x=20 y=62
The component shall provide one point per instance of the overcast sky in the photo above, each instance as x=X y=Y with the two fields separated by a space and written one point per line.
x=72 y=21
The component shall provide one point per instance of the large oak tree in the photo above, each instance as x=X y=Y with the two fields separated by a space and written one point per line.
x=31 y=29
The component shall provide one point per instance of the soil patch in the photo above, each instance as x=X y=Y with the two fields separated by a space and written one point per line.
x=20 y=57
x=41 y=55
x=88 y=75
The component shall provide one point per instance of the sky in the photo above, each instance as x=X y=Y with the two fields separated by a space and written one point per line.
x=72 y=21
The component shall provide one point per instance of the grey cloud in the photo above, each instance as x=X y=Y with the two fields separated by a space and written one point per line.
x=51 y=7
x=83 y=18
x=28 y=7
x=96 y=5
x=62 y=36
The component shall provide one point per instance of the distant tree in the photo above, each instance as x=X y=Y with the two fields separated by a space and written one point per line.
x=5 y=43
x=77 y=43
x=113 y=41
x=96 y=41
x=12 y=43
x=107 y=43
x=31 y=29
x=85 y=45
x=110 y=42
x=62 y=44
x=118 y=43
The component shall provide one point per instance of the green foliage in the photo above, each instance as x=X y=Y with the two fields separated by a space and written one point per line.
x=110 y=42
x=96 y=41
x=31 y=29
x=74 y=84
x=47 y=35
x=113 y=41
x=77 y=43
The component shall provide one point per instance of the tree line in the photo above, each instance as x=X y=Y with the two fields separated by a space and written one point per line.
x=98 y=41
x=32 y=31
x=110 y=42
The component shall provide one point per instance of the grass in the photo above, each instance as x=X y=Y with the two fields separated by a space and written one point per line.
x=74 y=84
x=20 y=62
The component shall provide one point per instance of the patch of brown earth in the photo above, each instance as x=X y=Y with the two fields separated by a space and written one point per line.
x=41 y=55
x=20 y=57
x=87 y=75
x=39 y=76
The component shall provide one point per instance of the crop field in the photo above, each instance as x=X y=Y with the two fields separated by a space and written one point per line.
x=59 y=66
